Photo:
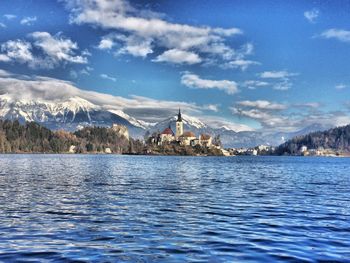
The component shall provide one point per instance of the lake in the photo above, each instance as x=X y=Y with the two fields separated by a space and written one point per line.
x=109 y=208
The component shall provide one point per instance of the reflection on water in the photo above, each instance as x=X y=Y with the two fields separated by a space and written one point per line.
x=174 y=209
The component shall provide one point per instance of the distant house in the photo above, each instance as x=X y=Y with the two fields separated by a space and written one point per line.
x=72 y=149
x=303 y=149
x=108 y=150
x=262 y=148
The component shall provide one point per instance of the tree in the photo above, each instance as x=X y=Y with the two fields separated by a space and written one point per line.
x=217 y=140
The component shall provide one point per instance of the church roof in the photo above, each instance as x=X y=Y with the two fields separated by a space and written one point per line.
x=205 y=137
x=168 y=131
x=188 y=134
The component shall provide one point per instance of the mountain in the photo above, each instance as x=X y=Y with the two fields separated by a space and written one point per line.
x=336 y=139
x=75 y=113
x=190 y=123
x=231 y=138
x=71 y=114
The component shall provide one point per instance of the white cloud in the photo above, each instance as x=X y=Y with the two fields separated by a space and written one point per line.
x=105 y=76
x=312 y=15
x=282 y=77
x=221 y=123
x=262 y=104
x=28 y=21
x=58 y=48
x=193 y=81
x=135 y=46
x=213 y=107
x=312 y=105
x=51 y=51
x=86 y=70
x=4 y=58
x=253 y=84
x=265 y=112
x=276 y=74
x=10 y=16
x=178 y=57
x=340 y=86
x=106 y=43
x=283 y=85
x=152 y=110
x=16 y=50
x=2 y=25
x=339 y=34
x=51 y=89
x=280 y=117
x=145 y=31
x=240 y=63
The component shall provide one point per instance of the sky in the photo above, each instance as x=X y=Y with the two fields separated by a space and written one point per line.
x=242 y=64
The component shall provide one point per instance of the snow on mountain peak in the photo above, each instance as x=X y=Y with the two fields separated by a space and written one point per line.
x=193 y=121
x=76 y=104
x=132 y=120
x=40 y=110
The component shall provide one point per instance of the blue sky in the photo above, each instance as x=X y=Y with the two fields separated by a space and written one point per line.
x=278 y=65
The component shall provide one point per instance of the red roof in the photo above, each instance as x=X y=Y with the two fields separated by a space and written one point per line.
x=188 y=134
x=168 y=131
x=205 y=137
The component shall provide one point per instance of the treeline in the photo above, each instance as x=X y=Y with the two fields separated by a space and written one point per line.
x=176 y=149
x=337 y=139
x=34 y=138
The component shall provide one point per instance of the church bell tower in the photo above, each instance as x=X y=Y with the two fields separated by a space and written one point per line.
x=179 y=125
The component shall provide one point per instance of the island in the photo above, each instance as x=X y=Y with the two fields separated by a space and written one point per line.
x=32 y=137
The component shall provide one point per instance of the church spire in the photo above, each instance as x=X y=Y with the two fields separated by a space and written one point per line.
x=179 y=126
x=179 y=117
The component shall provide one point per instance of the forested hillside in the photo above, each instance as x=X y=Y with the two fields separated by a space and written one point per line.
x=34 y=138
x=337 y=139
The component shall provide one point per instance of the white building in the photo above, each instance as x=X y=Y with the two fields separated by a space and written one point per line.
x=179 y=126
x=205 y=140
x=186 y=138
x=167 y=136
x=303 y=149
x=72 y=149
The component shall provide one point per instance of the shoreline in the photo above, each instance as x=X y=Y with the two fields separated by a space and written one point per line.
x=174 y=155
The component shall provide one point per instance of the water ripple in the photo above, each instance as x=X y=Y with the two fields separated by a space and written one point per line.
x=105 y=208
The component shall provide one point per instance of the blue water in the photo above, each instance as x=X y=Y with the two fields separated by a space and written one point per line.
x=106 y=208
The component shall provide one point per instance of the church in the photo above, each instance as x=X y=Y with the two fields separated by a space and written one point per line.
x=185 y=138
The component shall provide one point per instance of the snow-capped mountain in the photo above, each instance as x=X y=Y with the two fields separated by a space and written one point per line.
x=75 y=112
x=231 y=138
x=70 y=114
x=190 y=123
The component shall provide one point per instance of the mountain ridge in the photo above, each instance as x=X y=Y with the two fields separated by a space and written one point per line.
x=75 y=113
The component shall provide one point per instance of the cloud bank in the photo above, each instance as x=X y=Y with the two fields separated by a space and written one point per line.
x=23 y=87
x=140 y=32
